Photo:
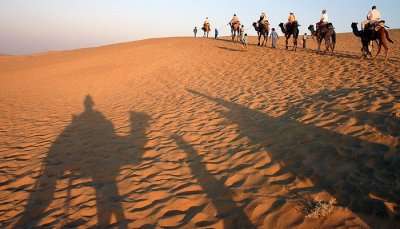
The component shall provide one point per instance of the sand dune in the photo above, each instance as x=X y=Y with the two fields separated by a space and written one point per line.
x=198 y=133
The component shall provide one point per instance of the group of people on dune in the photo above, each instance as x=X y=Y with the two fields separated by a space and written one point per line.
x=373 y=19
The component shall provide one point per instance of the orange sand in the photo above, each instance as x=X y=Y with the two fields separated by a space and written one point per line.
x=185 y=133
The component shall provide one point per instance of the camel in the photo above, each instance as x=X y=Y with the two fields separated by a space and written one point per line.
x=206 y=29
x=380 y=35
x=291 y=29
x=327 y=33
x=235 y=31
x=262 y=30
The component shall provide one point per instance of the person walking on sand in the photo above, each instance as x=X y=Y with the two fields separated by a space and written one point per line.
x=244 y=41
x=243 y=36
x=305 y=37
x=274 y=37
x=216 y=33
x=195 y=31
x=241 y=31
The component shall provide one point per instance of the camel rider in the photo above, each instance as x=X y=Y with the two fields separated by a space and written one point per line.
x=263 y=18
x=291 y=19
x=234 y=20
x=206 y=22
x=324 y=19
x=373 y=17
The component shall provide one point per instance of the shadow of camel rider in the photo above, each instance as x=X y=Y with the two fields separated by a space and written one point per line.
x=351 y=169
x=87 y=148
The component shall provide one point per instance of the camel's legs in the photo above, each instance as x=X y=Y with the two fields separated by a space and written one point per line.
x=237 y=36
x=332 y=45
x=319 y=44
x=235 y=39
x=368 y=52
x=287 y=41
x=327 y=44
x=386 y=54
x=386 y=47
x=379 y=50
x=263 y=40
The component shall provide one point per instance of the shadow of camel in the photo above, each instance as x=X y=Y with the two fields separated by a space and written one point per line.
x=337 y=54
x=221 y=196
x=87 y=148
x=232 y=49
x=229 y=40
x=344 y=54
x=352 y=170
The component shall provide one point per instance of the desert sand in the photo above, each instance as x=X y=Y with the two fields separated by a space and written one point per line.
x=198 y=133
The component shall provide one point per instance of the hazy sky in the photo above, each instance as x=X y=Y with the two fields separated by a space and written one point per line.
x=28 y=26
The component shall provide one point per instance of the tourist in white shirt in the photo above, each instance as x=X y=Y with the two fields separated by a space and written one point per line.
x=373 y=16
x=324 y=19
x=263 y=18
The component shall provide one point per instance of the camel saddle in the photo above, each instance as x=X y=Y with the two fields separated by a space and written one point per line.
x=263 y=22
x=380 y=24
x=234 y=23
x=377 y=25
x=320 y=26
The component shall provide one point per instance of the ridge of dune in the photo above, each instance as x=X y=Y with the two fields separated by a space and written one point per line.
x=153 y=40
x=199 y=133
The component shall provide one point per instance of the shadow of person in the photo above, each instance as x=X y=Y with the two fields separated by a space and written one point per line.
x=219 y=194
x=87 y=148
x=352 y=170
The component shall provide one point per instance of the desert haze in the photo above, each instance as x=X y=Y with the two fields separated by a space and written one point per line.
x=199 y=133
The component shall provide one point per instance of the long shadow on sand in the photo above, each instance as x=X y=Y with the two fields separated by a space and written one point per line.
x=352 y=170
x=347 y=55
x=337 y=54
x=239 y=49
x=228 y=40
x=221 y=196
x=87 y=149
